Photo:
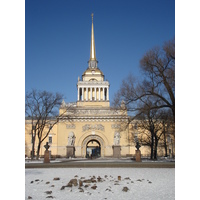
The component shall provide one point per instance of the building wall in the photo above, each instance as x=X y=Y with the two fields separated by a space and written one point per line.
x=83 y=129
x=86 y=130
x=28 y=140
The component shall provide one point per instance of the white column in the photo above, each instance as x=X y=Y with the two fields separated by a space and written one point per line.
x=99 y=94
x=91 y=94
x=78 y=93
x=95 y=93
x=86 y=93
x=103 y=93
x=107 y=93
x=82 y=89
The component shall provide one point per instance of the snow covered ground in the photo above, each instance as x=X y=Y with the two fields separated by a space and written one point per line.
x=142 y=183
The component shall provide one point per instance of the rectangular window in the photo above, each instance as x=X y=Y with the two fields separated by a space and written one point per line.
x=50 y=139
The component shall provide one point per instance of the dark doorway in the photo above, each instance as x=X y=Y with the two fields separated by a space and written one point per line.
x=93 y=149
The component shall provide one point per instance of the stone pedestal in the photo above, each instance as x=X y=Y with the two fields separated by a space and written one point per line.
x=70 y=151
x=46 y=156
x=116 y=151
x=138 y=155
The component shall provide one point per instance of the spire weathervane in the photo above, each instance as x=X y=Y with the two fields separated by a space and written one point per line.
x=92 y=16
x=92 y=45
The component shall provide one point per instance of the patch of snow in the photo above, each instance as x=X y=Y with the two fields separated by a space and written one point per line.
x=142 y=183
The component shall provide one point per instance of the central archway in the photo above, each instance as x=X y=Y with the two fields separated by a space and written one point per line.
x=98 y=145
x=93 y=149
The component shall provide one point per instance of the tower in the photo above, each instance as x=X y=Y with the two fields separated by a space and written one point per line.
x=92 y=88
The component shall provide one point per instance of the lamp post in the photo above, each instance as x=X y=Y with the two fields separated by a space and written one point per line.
x=33 y=142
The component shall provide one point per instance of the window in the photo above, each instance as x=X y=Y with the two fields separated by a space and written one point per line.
x=50 y=139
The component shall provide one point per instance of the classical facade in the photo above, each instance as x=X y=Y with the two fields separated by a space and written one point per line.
x=91 y=121
x=89 y=127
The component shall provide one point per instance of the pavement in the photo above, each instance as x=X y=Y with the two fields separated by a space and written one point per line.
x=101 y=163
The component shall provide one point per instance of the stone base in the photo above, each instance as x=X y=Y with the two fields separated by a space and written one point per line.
x=46 y=157
x=116 y=151
x=138 y=155
x=70 y=151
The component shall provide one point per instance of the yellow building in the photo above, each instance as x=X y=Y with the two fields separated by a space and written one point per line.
x=89 y=127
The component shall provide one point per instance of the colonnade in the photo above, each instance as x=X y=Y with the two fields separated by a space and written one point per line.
x=93 y=93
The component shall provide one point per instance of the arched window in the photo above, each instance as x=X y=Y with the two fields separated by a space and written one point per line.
x=93 y=79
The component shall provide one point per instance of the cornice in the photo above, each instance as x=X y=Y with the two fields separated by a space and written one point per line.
x=93 y=119
x=92 y=83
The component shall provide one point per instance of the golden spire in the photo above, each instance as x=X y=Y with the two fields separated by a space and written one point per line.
x=92 y=45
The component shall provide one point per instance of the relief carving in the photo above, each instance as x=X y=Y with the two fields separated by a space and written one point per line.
x=115 y=126
x=97 y=112
x=93 y=127
x=70 y=126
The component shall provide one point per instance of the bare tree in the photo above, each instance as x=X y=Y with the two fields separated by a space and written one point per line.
x=149 y=123
x=158 y=83
x=145 y=99
x=158 y=65
x=166 y=120
x=42 y=107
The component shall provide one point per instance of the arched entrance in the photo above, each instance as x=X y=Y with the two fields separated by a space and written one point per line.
x=93 y=143
x=93 y=149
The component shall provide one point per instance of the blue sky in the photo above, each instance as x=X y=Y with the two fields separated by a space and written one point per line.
x=124 y=31
x=57 y=39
